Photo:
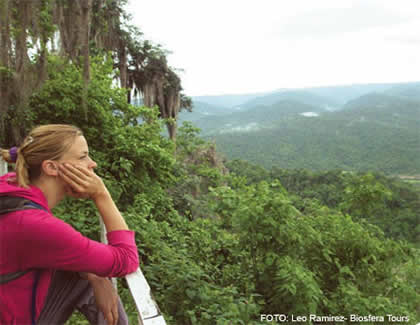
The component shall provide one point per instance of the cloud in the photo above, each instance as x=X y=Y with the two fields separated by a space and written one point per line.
x=250 y=127
x=241 y=46
x=327 y=22
x=407 y=40
x=407 y=33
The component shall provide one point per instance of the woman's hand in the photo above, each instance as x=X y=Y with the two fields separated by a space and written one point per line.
x=106 y=298
x=81 y=182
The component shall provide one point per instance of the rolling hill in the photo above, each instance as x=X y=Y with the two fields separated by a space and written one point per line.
x=254 y=118
x=302 y=96
x=411 y=91
x=335 y=96
x=203 y=110
x=226 y=100
x=376 y=131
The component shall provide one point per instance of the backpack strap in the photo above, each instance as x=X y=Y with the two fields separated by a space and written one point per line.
x=33 y=304
x=14 y=203
x=4 y=278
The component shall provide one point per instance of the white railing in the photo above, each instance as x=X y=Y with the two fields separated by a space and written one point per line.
x=3 y=167
x=149 y=313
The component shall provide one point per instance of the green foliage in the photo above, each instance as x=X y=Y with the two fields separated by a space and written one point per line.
x=365 y=196
x=389 y=203
x=199 y=167
x=296 y=288
x=184 y=262
x=323 y=263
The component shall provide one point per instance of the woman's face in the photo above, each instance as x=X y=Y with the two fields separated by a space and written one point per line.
x=78 y=154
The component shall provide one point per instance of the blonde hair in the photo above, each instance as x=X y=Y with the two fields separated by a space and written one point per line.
x=45 y=142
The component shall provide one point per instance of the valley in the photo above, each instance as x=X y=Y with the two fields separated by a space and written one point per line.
x=377 y=130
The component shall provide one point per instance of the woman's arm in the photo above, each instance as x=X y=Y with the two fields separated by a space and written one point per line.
x=109 y=212
x=69 y=250
x=48 y=242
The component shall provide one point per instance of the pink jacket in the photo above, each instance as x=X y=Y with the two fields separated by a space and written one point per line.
x=36 y=239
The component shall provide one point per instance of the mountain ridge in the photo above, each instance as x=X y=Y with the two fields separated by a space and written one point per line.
x=338 y=93
x=375 y=131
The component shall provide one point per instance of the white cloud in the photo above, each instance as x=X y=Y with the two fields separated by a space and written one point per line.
x=324 y=22
x=253 y=46
x=309 y=114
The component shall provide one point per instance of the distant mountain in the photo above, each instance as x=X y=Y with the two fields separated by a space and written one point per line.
x=373 y=132
x=356 y=127
x=343 y=94
x=333 y=96
x=202 y=110
x=384 y=109
x=379 y=102
x=226 y=100
x=281 y=107
x=254 y=118
x=304 y=97
x=410 y=91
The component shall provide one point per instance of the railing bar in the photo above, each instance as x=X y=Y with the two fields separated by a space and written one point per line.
x=149 y=313
x=3 y=167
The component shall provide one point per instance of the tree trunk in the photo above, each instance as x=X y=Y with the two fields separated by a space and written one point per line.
x=86 y=6
x=122 y=57
x=172 y=128
x=23 y=79
x=4 y=63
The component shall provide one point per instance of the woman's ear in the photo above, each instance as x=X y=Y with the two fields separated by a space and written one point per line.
x=50 y=167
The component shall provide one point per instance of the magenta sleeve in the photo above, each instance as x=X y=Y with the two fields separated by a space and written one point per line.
x=48 y=242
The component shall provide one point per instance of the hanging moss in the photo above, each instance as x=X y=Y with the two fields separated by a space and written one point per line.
x=30 y=30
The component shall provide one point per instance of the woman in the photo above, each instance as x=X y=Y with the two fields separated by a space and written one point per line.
x=65 y=270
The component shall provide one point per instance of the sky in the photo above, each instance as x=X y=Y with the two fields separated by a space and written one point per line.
x=254 y=46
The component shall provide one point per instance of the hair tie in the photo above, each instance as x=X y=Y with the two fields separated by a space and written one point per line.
x=13 y=154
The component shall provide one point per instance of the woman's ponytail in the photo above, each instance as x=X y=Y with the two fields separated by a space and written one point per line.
x=12 y=156
x=22 y=171
x=43 y=143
